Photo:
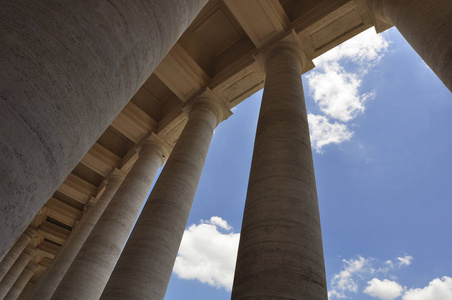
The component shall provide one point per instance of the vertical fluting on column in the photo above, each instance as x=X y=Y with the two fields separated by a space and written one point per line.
x=88 y=274
x=22 y=281
x=427 y=27
x=82 y=62
x=52 y=277
x=15 y=271
x=280 y=252
x=145 y=266
x=14 y=253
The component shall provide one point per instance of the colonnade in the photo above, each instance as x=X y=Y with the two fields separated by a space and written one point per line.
x=63 y=260
x=16 y=270
x=280 y=253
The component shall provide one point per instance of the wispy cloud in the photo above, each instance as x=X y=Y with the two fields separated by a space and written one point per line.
x=207 y=254
x=346 y=280
x=370 y=276
x=357 y=271
x=337 y=89
x=405 y=261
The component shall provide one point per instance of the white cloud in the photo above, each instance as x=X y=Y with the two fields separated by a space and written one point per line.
x=365 y=49
x=218 y=222
x=337 y=92
x=345 y=281
x=384 y=290
x=324 y=133
x=207 y=254
x=437 y=289
x=357 y=271
x=405 y=261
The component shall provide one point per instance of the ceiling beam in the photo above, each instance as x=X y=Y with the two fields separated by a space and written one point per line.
x=101 y=160
x=181 y=74
x=267 y=22
x=77 y=189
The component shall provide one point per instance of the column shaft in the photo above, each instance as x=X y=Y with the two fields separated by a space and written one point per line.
x=427 y=27
x=88 y=274
x=15 y=271
x=145 y=266
x=61 y=263
x=280 y=252
x=82 y=62
x=13 y=254
x=22 y=281
x=27 y=290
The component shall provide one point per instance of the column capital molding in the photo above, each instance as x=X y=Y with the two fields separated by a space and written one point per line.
x=289 y=43
x=40 y=255
x=32 y=266
x=206 y=98
x=153 y=142
x=116 y=175
x=379 y=20
x=90 y=203
x=35 y=235
x=31 y=232
x=30 y=250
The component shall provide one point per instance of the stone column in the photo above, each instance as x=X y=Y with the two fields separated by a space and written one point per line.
x=280 y=252
x=427 y=27
x=145 y=266
x=66 y=72
x=27 y=290
x=15 y=271
x=89 y=273
x=52 y=277
x=14 y=252
x=22 y=281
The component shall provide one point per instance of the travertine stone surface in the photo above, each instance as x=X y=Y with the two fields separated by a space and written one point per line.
x=15 y=271
x=427 y=26
x=22 y=281
x=61 y=263
x=14 y=253
x=280 y=252
x=89 y=273
x=66 y=71
x=27 y=290
x=145 y=266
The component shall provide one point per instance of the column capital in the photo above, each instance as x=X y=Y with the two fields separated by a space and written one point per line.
x=207 y=99
x=152 y=142
x=32 y=266
x=379 y=20
x=39 y=255
x=116 y=176
x=90 y=203
x=31 y=232
x=30 y=250
x=34 y=234
x=288 y=43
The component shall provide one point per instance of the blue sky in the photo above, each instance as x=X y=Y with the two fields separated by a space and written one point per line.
x=380 y=127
